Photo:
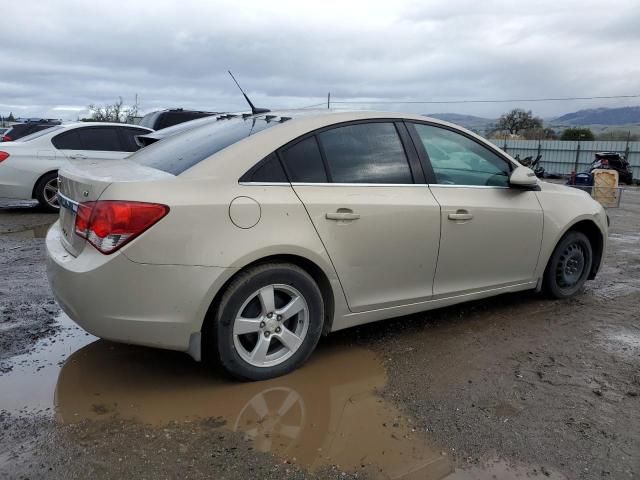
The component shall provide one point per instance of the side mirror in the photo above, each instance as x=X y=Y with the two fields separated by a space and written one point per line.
x=523 y=177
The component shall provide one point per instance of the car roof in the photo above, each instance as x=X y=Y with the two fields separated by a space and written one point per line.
x=100 y=124
x=237 y=158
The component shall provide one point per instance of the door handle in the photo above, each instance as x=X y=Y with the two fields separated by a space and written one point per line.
x=78 y=156
x=460 y=215
x=342 y=214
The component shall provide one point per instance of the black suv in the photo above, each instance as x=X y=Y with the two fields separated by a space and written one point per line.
x=614 y=161
x=20 y=130
x=167 y=118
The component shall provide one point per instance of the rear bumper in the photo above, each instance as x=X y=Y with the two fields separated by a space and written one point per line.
x=117 y=299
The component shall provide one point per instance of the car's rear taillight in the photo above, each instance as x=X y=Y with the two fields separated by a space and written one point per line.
x=3 y=156
x=7 y=138
x=110 y=224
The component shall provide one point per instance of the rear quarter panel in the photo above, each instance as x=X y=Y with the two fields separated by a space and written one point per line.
x=198 y=230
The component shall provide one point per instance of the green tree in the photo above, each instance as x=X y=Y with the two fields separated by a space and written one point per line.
x=518 y=120
x=577 y=134
x=11 y=118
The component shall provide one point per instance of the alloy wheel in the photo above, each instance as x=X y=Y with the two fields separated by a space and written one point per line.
x=50 y=193
x=271 y=325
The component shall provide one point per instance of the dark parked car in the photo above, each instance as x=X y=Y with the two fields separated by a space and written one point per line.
x=20 y=130
x=152 y=137
x=167 y=118
x=614 y=161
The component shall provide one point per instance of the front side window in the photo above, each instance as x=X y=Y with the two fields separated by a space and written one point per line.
x=365 y=153
x=458 y=160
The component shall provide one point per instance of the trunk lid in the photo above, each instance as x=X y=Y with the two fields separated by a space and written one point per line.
x=85 y=182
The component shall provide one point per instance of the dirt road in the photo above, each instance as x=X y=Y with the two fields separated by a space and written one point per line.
x=511 y=387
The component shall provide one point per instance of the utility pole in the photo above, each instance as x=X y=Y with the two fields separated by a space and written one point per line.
x=329 y=100
x=575 y=168
x=626 y=150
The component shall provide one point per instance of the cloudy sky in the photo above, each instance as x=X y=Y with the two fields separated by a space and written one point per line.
x=57 y=57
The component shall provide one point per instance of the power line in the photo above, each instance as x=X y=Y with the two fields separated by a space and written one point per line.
x=562 y=99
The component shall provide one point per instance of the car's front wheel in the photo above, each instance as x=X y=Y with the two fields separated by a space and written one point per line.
x=267 y=323
x=569 y=265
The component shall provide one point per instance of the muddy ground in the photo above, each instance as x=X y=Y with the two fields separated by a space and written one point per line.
x=516 y=386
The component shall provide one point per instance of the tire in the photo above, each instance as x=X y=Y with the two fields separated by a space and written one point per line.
x=569 y=266
x=252 y=313
x=45 y=194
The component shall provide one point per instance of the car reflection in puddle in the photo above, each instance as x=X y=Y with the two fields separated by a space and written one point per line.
x=325 y=413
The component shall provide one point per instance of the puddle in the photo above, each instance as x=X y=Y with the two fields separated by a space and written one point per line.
x=38 y=231
x=327 y=412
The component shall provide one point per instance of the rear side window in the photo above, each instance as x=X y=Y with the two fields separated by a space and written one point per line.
x=67 y=141
x=304 y=162
x=365 y=153
x=268 y=170
x=149 y=119
x=91 y=138
x=100 y=139
x=168 y=119
x=181 y=151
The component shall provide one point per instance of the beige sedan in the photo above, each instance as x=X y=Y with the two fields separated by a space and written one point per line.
x=244 y=240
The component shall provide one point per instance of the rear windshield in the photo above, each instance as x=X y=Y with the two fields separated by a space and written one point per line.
x=45 y=130
x=181 y=151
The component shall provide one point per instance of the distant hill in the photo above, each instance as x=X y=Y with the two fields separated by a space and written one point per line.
x=471 y=122
x=601 y=116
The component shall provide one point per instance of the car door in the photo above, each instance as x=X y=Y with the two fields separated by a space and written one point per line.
x=491 y=234
x=91 y=142
x=364 y=191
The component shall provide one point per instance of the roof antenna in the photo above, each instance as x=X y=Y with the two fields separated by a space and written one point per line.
x=254 y=110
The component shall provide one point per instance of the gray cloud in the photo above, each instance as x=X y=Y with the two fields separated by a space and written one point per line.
x=58 y=57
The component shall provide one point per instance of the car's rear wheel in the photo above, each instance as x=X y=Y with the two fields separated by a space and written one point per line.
x=46 y=192
x=569 y=265
x=267 y=322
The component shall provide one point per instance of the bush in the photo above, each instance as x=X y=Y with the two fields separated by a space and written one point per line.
x=577 y=134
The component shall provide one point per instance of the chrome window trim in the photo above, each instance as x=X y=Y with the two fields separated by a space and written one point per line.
x=265 y=184
x=445 y=185
x=325 y=184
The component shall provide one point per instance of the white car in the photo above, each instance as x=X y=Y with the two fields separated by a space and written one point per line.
x=245 y=240
x=29 y=166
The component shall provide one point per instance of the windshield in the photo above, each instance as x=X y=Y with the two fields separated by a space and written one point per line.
x=181 y=151
x=39 y=134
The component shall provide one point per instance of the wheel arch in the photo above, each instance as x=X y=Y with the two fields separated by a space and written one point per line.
x=309 y=266
x=39 y=179
x=595 y=235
